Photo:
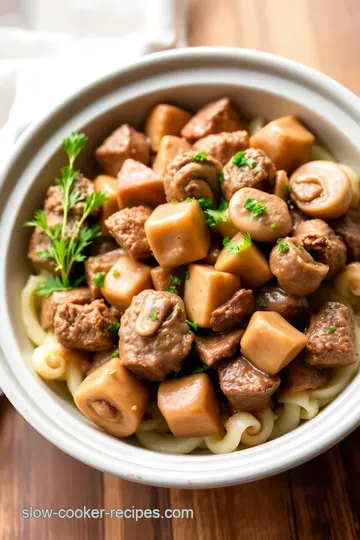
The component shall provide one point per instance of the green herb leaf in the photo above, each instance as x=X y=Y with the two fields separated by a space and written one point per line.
x=193 y=326
x=233 y=248
x=171 y=289
x=283 y=246
x=240 y=160
x=116 y=273
x=99 y=279
x=174 y=280
x=154 y=315
x=200 y=368
x=300 y=246
x=286 y=188
x=115 y=354
x=113 y=328
x=51 y=285
x=256 y=208
x=331 y=329
x=261 y=302
x=205 y=203
x=195 y=174
x=273 y=226
x=200 y=157
x=187 y=274
x=221 y=177
x=223 y=205
x=215 y=216
x=113 y=371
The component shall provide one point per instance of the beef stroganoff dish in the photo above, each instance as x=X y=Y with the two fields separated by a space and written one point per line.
x=203 y=290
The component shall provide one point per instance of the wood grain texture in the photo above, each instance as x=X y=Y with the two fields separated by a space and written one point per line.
x=319 y=500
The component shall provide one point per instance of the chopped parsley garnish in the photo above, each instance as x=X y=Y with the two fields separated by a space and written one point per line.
x=113 y=328
x=273 y=226
x=240 y=160
x=174 y=281
x=174 y=202
x=65 y=251
x=221 y=177
x=189 y=199
x=283 y=246
x=212 y=217
x=300 y=246
x=256 y=208
x=115 y=354
x=187 y=274
x=200 y=157
x=195 y=174
x=99 y=279
x=286 y=188
x=112 y=372
x=331 y=329
x=233 y=248
x=261 y=302
x=204 y=203
x=193 y=326
x=200 y=368
x=116 y=273
x=154 y=315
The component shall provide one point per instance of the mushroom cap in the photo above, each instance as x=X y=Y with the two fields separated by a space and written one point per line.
x=321 y=189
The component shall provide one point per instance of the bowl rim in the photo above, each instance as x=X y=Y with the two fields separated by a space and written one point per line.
x=164 y=474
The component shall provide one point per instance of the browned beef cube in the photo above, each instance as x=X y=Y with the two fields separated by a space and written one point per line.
x=247 y=388
x=223 y=146
x=215 y=347
x=274 y=298
x=102 y=245
x=124 y=143
x=299 y=376
x=215 y=117
x=231 y=314
x=127 y=227
x=78 y=295
x=87 y=327
x=348 y=226
x=331 y=337
x=100 y=264
x=54 y=201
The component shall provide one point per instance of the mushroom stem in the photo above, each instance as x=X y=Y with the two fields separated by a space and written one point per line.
x=106 y=411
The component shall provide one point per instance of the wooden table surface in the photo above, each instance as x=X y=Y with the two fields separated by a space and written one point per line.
x=318 y=500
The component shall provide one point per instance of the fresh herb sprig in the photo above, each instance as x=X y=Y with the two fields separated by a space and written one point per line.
x=67 y=250
x=233 y=248
x=282 y=245
x=240 y=160
x=174 y=283
x=252 y=205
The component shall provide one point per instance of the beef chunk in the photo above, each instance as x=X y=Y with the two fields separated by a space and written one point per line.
x=85 y=327
x=223 y=145
x=323 y=244
x=231 y=314
x=299 y=377
x=215 y=347
x=331 y=337
x=348 y=226
x=127 y=227
x=260 y=174
x=99 y=358
x=138 y=184
x=79 y=295
x=274 y=298
x=102 y=245
x=54 y=201
x=124 y=143
x=215 y=117
x=247 y=388
x=154 y=337
x=100 y=264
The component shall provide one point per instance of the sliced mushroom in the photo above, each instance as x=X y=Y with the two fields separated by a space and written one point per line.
x=321 y=189
x=296 y=270
x=154 y=337
x=194 y=175
x=266 y=217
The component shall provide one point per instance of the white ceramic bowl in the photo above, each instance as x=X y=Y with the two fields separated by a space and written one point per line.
x=260 y=84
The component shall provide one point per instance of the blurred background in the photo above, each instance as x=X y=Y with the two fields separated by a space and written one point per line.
x=48 y=48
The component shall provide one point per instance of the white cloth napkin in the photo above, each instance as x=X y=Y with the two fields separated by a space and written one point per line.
x=51 y=48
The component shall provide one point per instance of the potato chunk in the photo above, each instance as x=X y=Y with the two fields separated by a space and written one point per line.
x=165 y=120
x=205 y=290
x=110 y=186
x=138 y=184
x=270 y=342
x=249 y=263
x=124 y=280
x=177 y=234
x=286 y=141
x=165 y=279
x=113 y=398
x=225 y=228
x=169 y=147
x=190 y=406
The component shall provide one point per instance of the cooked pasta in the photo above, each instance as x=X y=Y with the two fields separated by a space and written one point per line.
x=169 y=444
x=29 y=306
x=347 y=283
